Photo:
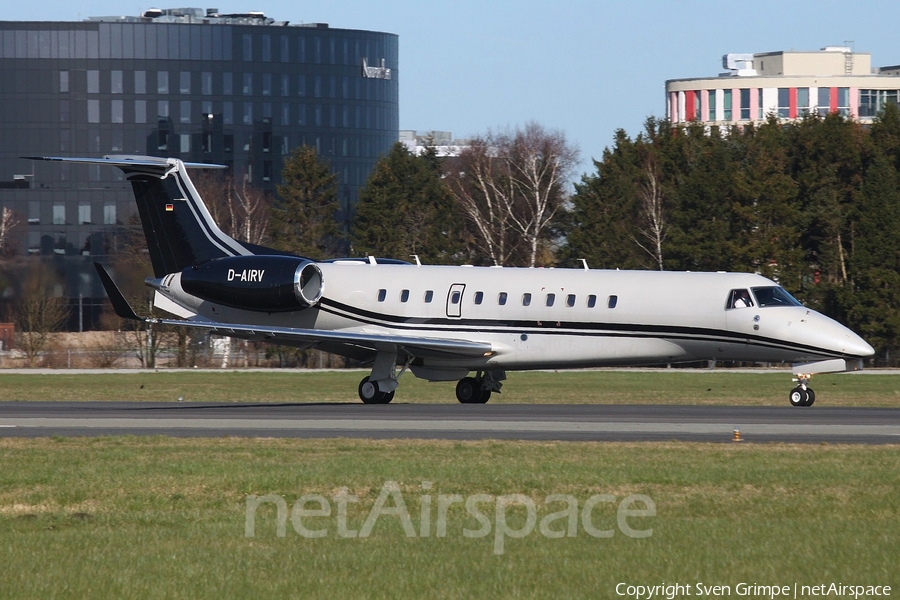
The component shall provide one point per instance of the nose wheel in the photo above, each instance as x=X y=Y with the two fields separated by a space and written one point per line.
x=370 y=394
x=802 y=395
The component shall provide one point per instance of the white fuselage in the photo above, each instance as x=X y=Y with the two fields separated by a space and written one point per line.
x=556 y=318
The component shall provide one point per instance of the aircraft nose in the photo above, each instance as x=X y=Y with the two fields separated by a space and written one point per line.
x=856 y=346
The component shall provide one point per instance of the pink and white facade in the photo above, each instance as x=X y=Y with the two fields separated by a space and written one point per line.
x=786 y=84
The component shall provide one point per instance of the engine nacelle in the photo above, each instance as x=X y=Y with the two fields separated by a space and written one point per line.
x=260 y=283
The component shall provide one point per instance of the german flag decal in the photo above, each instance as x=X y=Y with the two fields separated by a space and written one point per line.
x=170 y=207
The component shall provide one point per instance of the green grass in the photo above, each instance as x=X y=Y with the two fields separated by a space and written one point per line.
x=164 y=518
x=565 y=387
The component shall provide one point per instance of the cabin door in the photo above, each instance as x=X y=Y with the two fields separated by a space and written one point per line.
x=454 y=300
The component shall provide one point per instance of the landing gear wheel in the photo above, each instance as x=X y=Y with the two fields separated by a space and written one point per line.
x=811 y=397
x=800 y=396
x=370 y=394
x=470 y=391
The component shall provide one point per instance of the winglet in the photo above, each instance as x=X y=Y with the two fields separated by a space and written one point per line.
x=120 y=304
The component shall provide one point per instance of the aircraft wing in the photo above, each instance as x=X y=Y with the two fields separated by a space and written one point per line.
x=374 y=342
x=360 y=340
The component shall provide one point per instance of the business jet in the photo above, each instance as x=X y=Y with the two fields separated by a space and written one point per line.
x=446 y=323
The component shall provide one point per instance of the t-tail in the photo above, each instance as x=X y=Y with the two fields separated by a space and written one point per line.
x=179 y=229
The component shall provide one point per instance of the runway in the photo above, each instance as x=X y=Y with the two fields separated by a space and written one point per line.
x=454 y=421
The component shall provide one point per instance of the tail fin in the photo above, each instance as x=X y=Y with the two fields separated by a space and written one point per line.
x=179 y=229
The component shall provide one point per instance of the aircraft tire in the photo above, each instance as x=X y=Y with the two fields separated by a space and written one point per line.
x=485 y=396
x=811 y=397
x=468 y=391
x=799 y=397
x=370 y=394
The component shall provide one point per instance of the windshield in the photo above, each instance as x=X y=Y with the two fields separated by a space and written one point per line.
x=774 y=296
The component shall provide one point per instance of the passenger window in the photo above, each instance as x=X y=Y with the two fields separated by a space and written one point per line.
x=429 y=296
x=501 y=298
x=454 y=298
x=592 y=301
x=739 y=299
x=551 y=298
x=382 y=294
x=570 y=300
x=613 y=300
x=526 y=299
x=479 y=297
x=404 y=296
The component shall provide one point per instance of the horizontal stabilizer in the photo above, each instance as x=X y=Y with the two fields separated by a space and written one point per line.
x=120 y=304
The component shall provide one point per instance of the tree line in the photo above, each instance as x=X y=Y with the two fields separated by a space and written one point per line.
x=813 y=204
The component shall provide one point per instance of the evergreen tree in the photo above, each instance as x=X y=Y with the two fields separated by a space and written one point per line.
x=303 y=218
x=406 y=209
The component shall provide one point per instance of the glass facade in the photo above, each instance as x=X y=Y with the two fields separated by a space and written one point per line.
x=203 y=92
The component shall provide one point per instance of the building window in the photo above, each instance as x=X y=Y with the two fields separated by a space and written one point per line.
x=162 y=110
x=745 y=104
x=824 y=103
x=759 y=104
x=84 y=214
x=228 y=113
x=285 y=84
x=140 y=82
x=162 y=82
x=115 y=82
x=93 y=107
x=64 y=82
x=118 y=112
x=784 y=103
x=185 y=139
x=59 y=214
x=64 y=109
x=109 y=213
x=227 y=87
x=726 y=105
x=802 y=101
x=248 y=84
x=140 y=111
x=247 y=47
x=843 y=101
x=185 y=115
x=712 y=105
x=206 y=83
x=698 y=105
x=267 y=84
x=248 y=113
x=93 y=82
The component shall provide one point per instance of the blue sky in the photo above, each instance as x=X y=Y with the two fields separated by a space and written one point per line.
x=584 y=67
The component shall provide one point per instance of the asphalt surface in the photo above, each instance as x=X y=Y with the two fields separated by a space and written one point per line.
x=454 y=421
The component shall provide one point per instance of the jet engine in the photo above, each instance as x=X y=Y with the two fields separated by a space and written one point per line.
x=261 y=283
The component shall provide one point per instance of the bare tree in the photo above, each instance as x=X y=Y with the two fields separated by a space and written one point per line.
x=8 y=222
x=39 y=311
x=510 y=186
x=540 y=165
x=651 y=210
x=241 y=211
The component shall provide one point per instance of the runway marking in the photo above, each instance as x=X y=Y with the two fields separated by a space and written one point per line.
x=453 y=425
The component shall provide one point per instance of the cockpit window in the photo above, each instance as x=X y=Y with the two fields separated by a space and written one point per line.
x=774 y=296
x=739 y=299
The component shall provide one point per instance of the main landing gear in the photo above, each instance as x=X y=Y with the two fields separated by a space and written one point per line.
x=802 y=395
x=370 y=394
x=478 y=389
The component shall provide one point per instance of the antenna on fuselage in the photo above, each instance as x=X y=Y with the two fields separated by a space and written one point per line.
x=418 y=262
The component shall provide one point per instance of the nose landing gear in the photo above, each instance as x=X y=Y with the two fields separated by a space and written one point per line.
x=802 y=395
